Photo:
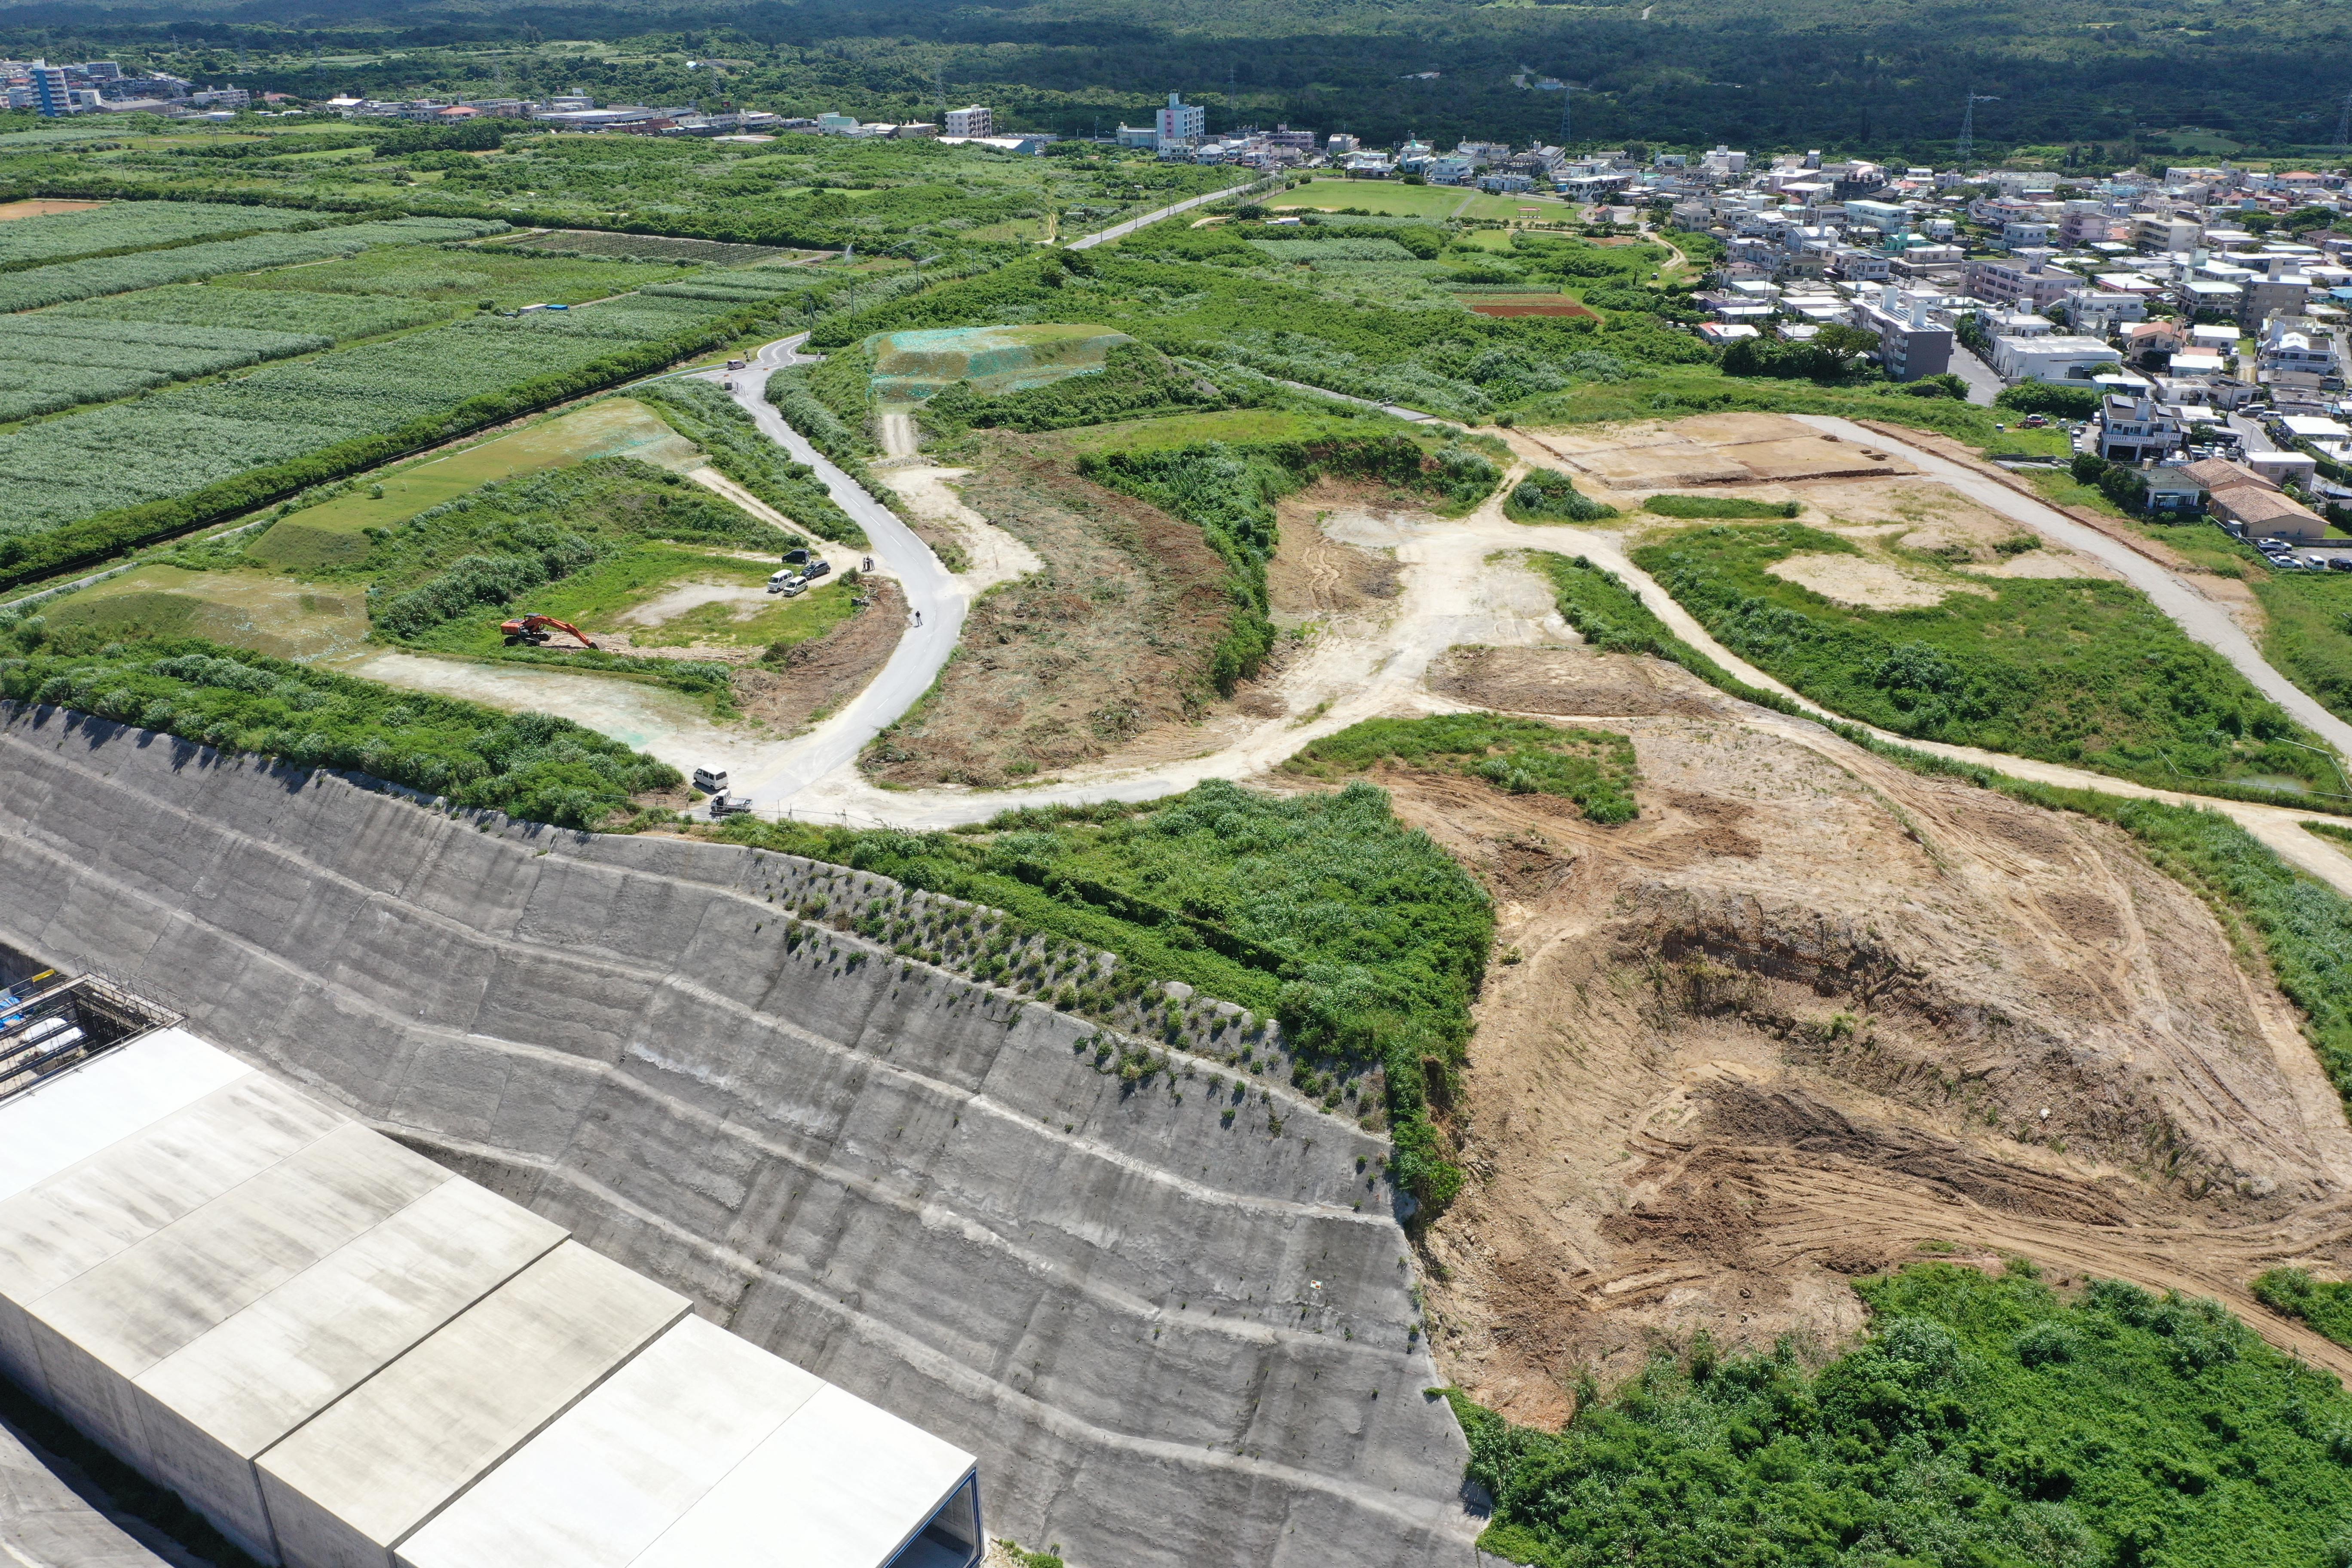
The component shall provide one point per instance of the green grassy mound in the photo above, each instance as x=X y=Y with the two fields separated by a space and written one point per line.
x=1719 y=506
x=2071 y=670
x=1594 y=768
x=1135 y=378
x=2326 y=1306
x=913 y=366
x=1985 y=1423
x=1553 y=497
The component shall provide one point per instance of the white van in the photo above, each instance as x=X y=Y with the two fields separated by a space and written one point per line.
x=788 y=583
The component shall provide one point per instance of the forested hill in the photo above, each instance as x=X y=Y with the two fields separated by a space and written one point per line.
x=2116 y=80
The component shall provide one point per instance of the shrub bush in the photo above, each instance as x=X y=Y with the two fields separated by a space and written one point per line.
x=2049 y=397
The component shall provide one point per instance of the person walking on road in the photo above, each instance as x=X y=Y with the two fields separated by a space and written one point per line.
x=918 y=617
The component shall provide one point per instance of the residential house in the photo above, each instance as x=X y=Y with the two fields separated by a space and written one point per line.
x=2027 y=281
x=1910 y=346
x=2297 y=343
x=975 y=121
x=2152 y=339
x=2254 y=505
x=2132 y=429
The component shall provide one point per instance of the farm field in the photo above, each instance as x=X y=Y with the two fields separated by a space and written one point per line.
x=39 y=240
x=462 y=277
x=803 y=191
x=1414 y=201
x=334 y=532
x=63 y=281
x=62 y=470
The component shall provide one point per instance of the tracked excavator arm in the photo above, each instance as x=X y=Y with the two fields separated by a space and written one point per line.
x=534 y=628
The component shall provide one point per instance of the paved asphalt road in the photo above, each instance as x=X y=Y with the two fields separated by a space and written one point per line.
x=929 y=589
x=1121 y=230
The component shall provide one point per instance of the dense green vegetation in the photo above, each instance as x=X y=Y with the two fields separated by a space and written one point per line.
x=1135 y=380
x=1229 y=490
x=2069 y=670
x=1364 y=938
x=2326 y=1305
x=528 y=765
x=1594 y=768
x=1719 y=506
x=445 y=579
x=713 y=421
x=1985 y=1423
x=812 y=192
x=1444 y=361
x=1544 y=497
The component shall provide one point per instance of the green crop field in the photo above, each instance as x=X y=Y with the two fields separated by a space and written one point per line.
x=48 y=363
x=463 y=276
x=225 y=303
x=86 y=279
x=134 y=226
x=2074 y=670
x=61 y=471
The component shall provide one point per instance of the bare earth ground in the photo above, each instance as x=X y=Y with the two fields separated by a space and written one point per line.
x=1110 y=635
x=1808 y=1014
x=818 y=676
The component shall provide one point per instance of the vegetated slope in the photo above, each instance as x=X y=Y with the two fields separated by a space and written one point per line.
x=1360 y=936
x=1173 y=1335
x=1985 y=1419
x=2068 y=670
x=1805 y=1014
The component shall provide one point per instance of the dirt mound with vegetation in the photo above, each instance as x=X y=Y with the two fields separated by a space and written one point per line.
x=1810 y=1016
x=1113 y=635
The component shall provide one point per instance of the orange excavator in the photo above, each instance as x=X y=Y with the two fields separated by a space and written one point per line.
x=535 y=629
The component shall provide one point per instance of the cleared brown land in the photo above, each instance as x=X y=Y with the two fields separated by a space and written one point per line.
x=10 y=210
x=814 y=678
x=1803 y=1020
x=1112 y=637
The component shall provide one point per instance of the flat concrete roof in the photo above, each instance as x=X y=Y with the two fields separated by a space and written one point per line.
x=329 y=1345
x=687 y=1455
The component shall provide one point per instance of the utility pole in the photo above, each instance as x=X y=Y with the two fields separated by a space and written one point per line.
x=1967 y=147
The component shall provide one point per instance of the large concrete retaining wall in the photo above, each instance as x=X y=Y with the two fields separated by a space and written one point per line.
x=1172 y=1336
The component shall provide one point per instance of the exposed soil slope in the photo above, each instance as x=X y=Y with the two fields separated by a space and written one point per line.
x=1810 y=1012
x=1109 y=636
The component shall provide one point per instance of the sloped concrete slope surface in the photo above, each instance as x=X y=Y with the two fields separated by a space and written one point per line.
x=44 y=1523
x=1173 y=1337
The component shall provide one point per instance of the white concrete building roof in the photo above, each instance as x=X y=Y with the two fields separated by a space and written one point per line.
x=343 y=1353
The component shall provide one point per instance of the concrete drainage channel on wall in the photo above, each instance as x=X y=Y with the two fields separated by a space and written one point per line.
x=1171 y=1338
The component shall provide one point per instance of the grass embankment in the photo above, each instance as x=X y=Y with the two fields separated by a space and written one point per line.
x=2070 y=670
x=2326 y=1305
x=1594 y=768
x=529 y=765
x=716 y=422
x=1984 y=1423
x=1362 y=937
x=1136 y=380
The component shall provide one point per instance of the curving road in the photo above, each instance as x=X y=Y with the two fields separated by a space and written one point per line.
x=936 y=603
x=815 y=775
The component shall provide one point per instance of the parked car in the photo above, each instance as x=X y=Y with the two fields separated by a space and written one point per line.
x=788 y=583
x=818 y=569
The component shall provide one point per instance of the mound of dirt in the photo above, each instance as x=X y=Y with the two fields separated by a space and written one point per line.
x=1569 y=682
x=1810 y=1014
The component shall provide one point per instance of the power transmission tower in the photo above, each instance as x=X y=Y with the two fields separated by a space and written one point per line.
x=1967 y=147
x=1567 y=92
x=2344 y=129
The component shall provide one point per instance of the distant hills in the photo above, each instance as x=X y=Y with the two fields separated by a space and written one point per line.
x=2116 y=81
